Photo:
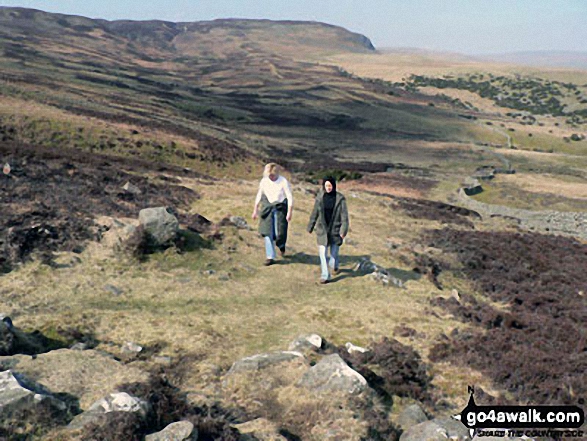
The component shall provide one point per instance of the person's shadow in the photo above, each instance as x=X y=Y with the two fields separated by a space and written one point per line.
x=350 y=264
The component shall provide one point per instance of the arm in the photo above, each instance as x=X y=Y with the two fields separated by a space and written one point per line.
x=344 y=228
x=258 y=200
x=314 y=216
x=289 y=196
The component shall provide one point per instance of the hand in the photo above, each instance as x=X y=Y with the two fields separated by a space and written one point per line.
x=288 y=217
x=255 y=215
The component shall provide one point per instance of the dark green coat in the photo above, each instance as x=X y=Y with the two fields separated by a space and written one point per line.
x=265 y=223
x=329 y=235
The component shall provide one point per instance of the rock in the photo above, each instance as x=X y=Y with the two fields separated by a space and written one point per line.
x=239 y=222
x=116 y=402
x=17 y=395
x=333 y=374
x=113 y=290
x=199 y=224
x=411 y=416
x=179 y=431
x=87 y=375
x=79 y=346
x=235 y=221
x=261 y=361
x=378 y=273
x=117 y=231
x=224 y=277
x=131 y=348
x=161 y=225
x=439 y=429
x=306 y=341
x=351 y=348
x=455 y=295
x=131 y=189
x=260 y=429
x=472 y=187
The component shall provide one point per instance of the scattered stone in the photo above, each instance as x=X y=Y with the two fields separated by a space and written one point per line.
x=378 y=273
x=79 y=346
x=209 y=272
x=261 y=361
x=131 y=348
x=224 y=277
x=306 y=341
x=113 y=290
x=131 y=188
x=472 y=187
x=179 y=431
x=351 y=348
x=116 y=231
x=234 y=221
x=439 y=429
x=333 y=374
x=116 y=402
x=411 y=416
x=161 y=225
x=239 y=222
x=18 y=395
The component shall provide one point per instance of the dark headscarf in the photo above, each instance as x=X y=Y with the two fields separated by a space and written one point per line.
x=329 y=199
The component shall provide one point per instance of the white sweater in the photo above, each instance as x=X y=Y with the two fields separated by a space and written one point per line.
x=276 y=191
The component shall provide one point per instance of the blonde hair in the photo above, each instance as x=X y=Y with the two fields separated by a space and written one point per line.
x=271 y=168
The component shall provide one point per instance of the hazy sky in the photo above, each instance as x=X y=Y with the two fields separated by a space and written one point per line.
x=468 y=26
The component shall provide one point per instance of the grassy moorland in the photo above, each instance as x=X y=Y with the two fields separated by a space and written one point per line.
x=188 y=113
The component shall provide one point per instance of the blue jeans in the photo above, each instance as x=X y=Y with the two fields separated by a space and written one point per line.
x=333 y=261
x=269 y=240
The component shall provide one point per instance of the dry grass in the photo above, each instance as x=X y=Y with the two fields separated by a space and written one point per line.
x=169 y=302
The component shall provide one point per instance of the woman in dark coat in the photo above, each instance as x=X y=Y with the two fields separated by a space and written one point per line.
x=330 y=219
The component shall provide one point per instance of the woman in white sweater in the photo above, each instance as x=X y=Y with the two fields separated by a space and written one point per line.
x=274 y=206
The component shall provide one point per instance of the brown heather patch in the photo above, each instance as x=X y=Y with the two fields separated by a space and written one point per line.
x=536 y=349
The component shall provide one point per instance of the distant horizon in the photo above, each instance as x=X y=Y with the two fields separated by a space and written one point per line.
x=467 y=27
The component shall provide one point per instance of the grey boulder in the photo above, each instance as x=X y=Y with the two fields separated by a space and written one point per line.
x=332 y=374
x=261 y=361
x=179 y=431
x=18 y=395
x=161 y=225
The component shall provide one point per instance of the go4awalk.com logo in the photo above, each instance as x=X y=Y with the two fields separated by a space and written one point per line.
x=530 y=421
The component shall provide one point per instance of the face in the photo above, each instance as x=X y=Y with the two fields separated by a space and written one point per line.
x=273 y=176
x=328 y=187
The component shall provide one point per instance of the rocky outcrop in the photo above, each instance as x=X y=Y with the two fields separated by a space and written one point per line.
x=332 y=374
x=411 y=416
x=18 y=395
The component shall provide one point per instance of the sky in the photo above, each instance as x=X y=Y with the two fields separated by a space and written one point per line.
x=464 y=26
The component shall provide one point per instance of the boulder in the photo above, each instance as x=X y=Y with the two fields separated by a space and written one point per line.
x=261 y=361
x=17 y=395
x=116 y=232
x=179 y=431
x=410 y=416
x=87 y=375
x=161 y=225
x=378 y=273
x=116 y=402
x=332 y=374
x=306 y=341
x=439 y=429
